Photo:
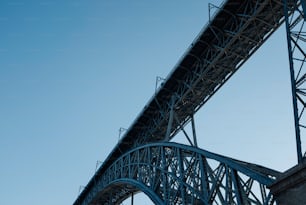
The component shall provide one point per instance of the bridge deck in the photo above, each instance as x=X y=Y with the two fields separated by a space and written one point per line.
x=237 y=30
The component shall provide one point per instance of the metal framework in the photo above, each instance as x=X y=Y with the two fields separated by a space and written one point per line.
x=171 y=173
x=178 y=174
x=296 y=34
x=237 y=30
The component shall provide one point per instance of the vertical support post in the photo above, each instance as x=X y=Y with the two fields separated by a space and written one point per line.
x=129 y=166
x=182 y=128
x=195 y=142
x=132 y=199
x=204 y=178
x=303 y=2
x=164 y=175
x=238 y=188
x=170 y=122
x=293 y=84
x=182 y=175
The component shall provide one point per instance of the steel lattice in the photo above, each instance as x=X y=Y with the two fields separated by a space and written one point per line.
x=171 y=173
x=296 y=36
x=178 y=174
x=238 y=29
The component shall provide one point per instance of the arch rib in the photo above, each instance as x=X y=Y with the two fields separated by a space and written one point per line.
x=172 y=173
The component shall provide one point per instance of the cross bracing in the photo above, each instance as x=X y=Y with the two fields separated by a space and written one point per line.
x=295 y=27
x=237 y=30
x=214 y=56
x=171 y=173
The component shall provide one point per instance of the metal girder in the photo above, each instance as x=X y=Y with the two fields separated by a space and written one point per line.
x=237 y=30
x=296 y=41
x=171 y=173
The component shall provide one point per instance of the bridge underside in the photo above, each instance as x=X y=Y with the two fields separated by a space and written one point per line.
x=224 y=45
x=171 y=173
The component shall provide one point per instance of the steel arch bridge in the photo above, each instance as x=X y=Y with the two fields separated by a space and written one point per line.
x=169 y=173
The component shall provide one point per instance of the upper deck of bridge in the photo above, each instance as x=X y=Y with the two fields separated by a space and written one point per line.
x=236 y=31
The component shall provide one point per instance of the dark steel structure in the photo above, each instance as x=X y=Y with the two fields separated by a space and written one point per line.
x=295 y=20
x=171 y=173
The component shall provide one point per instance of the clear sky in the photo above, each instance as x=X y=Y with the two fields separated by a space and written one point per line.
x=73 y=72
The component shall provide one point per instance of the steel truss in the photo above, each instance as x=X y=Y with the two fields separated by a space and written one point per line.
x=237 y=30
x=171 y=173
x=179 y=174
x=296 y=38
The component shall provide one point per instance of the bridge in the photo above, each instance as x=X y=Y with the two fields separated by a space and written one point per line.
x=144 y=160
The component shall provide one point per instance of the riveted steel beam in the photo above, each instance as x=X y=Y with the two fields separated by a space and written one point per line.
x=213 y=57
x=171 y=173
x=296 y=32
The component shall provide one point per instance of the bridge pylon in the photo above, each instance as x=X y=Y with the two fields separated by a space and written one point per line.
x=296 y=40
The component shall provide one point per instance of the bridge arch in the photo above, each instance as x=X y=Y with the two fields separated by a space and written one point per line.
x=120 y=189
x=172 y=173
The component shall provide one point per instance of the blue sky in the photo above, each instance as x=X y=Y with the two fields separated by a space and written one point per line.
x=73 y=72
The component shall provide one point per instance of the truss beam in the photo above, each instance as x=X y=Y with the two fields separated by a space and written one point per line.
x=215 y=55
x=171 y=173
x=296 y=42
x=237 y=30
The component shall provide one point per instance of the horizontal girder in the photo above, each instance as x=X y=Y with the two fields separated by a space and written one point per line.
x=171 y=173
x=237 y=30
